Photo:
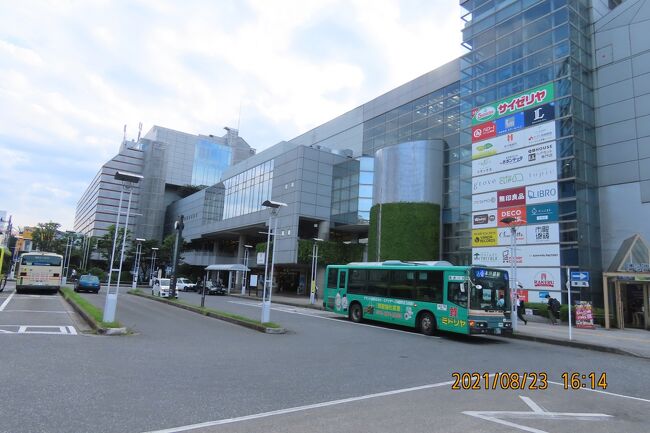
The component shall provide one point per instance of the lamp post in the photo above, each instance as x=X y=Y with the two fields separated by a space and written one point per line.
x=244 y=282
x=129 y=180
x=314 y=270
x=153 y=265
x=266 y=302
x=136 y=264
x=510 y=221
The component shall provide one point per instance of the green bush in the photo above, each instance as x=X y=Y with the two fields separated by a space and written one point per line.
x=98 y=273
x=409 y=231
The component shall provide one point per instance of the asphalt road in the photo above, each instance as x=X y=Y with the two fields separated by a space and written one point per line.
x=325 y=374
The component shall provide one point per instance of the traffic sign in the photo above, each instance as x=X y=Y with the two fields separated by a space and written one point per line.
x=579 y=283
x=580 y=276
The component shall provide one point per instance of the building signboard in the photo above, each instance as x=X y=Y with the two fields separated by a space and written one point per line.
x=516 y=212
x=484 y=201
x=534 y=135
x=542 y=213
x=510 y=123
x=515 y=159
x=543 y=233
x=484 y=131
x=484 y=219
x=523 y=176
x=540 y=114
x=538 y=281
x=504 y=235
x=484 y=238
x=529 y=99
x=542 y=193
x=527 y=256
x=511 y=197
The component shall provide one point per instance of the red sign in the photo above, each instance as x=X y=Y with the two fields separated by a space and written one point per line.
x=517 y=212
x=511 y=197
x=484 y=131
x=523 y=295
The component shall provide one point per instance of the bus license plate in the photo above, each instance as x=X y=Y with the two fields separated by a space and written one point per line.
x=497 y=331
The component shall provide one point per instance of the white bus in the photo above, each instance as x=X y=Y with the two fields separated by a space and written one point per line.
x=38 y=271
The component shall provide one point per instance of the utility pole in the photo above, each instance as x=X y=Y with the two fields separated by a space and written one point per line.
x=178 y=226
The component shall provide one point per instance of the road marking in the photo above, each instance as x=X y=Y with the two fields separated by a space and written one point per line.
x=4 y=304
x=335 y=319
x=40 y=329
x=301 y=408
x=35 y=311
x=606 y=393
x=536 y=413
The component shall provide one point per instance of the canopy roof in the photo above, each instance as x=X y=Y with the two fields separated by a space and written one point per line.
x=228 y=267
x=632 y=256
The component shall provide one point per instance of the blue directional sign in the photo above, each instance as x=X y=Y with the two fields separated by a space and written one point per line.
x=579 y=276
x=580 y=279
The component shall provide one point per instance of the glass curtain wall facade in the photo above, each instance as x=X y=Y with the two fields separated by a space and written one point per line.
x=515 y=46
x=352 y=191
x=245 y=192
x=210 y=160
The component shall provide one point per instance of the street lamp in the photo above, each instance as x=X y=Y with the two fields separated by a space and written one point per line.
x=136 y=264
x=129 y=180
x=266 y=303
x=314 y=270
x=513 y=269
x=153 y=265
x=244 y=283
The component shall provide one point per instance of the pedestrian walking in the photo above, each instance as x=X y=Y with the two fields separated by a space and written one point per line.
x=4 y=282
x=521 y=308
x=553 y=309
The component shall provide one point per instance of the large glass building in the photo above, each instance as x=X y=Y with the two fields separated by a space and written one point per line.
x=540 y=131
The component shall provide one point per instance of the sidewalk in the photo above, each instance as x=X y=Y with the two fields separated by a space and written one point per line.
x=631 y=342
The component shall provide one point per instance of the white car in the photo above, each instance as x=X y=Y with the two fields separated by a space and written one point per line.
x=161 y=287
x=184 y=285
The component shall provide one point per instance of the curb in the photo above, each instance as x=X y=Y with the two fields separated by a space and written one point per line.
x=578 y=345
x=91 y=322
x=197 y=310
x=293 y=304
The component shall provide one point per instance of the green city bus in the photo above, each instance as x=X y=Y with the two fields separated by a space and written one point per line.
x=428 y=296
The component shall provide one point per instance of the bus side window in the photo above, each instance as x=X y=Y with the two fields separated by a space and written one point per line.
x=332 y=277
x=429 y=286
x=456 y=295
x=357 y=281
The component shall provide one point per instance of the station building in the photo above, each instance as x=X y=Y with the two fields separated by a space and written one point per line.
x=541 y=131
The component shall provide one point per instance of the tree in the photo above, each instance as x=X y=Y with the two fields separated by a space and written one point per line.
x=105 y=245
x=44 y=236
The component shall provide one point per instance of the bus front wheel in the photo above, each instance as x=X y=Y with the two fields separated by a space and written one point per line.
x=427 y=323
x=356 y=313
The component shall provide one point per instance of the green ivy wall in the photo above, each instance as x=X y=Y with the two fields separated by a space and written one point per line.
x=409 y=231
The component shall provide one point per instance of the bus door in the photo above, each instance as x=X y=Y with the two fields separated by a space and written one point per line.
x=340 y=299
x=335 y=287
x=454 y=318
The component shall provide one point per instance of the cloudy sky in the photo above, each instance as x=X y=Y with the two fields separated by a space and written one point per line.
x=74 y=72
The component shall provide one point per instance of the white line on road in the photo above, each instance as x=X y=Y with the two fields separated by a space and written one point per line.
x=606 y=392
x=300 y=408
x=335 y=319
x=35 y=311
x=4 y=304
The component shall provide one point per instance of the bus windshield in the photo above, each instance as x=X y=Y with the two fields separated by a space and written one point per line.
x=489 y=289
x=40 y=260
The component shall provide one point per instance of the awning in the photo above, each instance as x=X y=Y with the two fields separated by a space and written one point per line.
x=231 y=267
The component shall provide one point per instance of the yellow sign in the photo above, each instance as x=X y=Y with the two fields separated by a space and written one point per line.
x=485 y=238
x=452 y=321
